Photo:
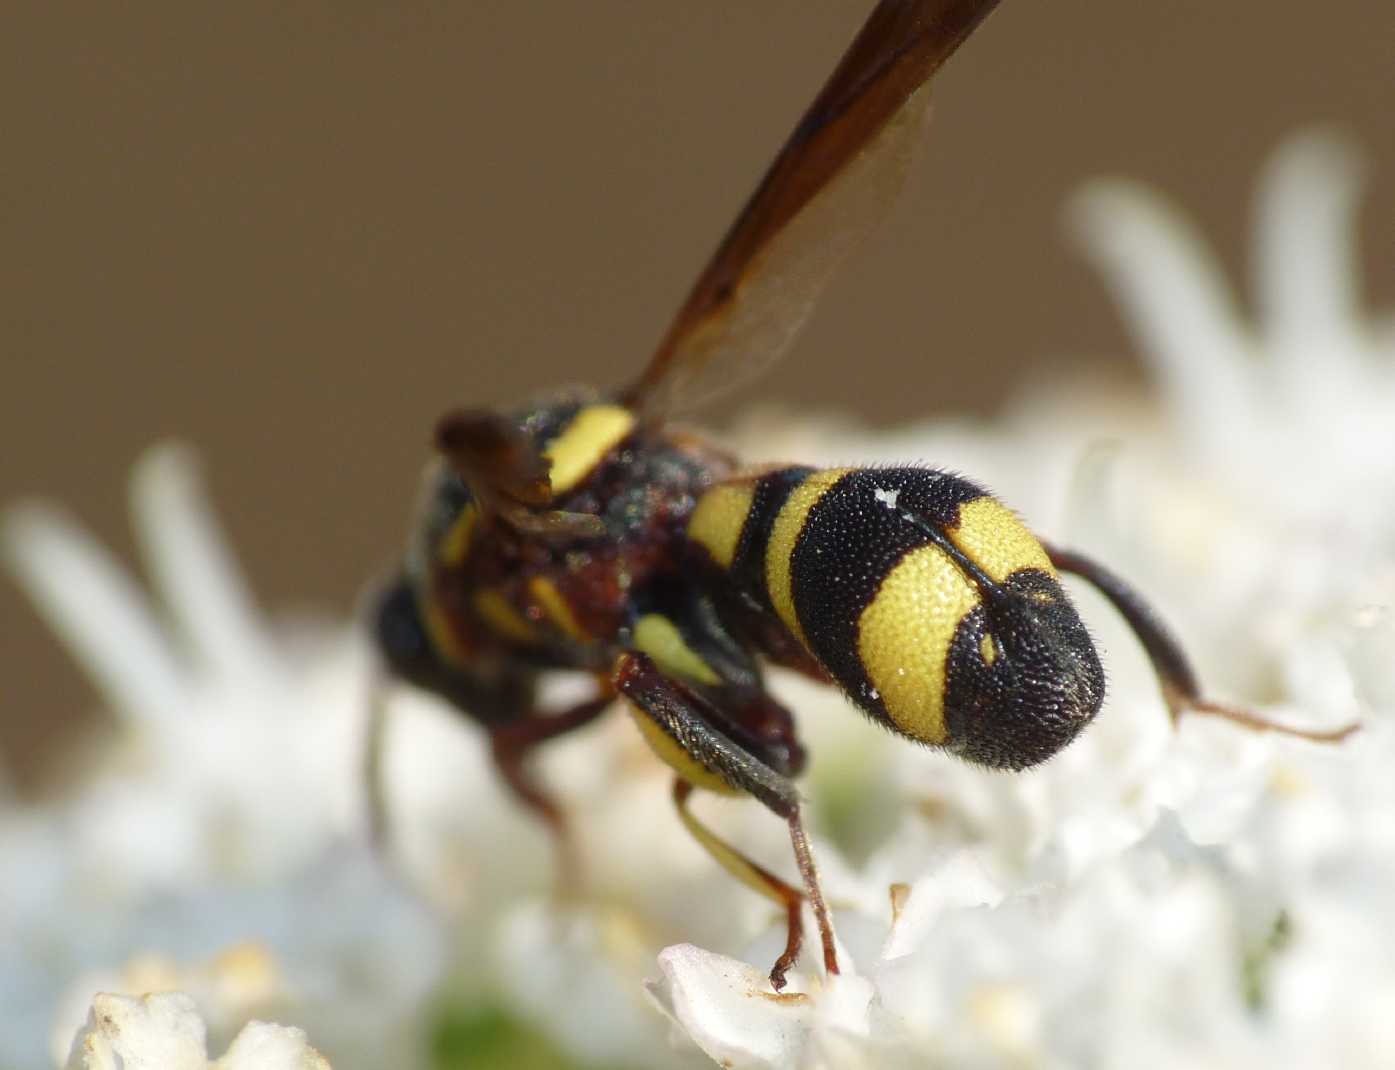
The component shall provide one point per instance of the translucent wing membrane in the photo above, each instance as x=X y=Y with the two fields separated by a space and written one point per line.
x=831 y=183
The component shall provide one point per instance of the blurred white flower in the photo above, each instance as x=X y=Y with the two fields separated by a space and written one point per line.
x=225 y=808
x=164 y=1032
x=1274 y=480
x=229 y=989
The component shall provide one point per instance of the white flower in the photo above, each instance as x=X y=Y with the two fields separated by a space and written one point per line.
x=1275 y=478
x=164 y=1032
x=224 y=811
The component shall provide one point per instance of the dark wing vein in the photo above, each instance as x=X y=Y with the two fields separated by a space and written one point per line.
x=833 y=180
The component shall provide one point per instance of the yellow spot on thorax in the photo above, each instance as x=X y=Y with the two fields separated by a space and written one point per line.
x=993 y=538
x=558 y=609
x=718 y=519
x=593 y=432
x=784 y=533
x=904 y=636
x=456 y=542
x=494 y=609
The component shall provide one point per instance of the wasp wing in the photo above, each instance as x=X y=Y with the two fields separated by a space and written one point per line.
x=833 y=180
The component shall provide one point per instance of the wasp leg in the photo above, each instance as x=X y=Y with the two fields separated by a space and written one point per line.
x=510 y=745
x=374 y=746
x=1180 y=688
x=751 y=874
x=504 y=705
x=684 y=728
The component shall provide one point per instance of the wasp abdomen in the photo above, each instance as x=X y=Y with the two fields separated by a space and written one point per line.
x=926 y=599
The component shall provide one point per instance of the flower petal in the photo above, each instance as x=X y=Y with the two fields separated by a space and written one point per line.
x=263 y=1046
x=574 y=970
x=1173 y=292
x=1306 y=258
x=192 y=568
x=158 y=1032
x=729 y=1010
x=90 y=601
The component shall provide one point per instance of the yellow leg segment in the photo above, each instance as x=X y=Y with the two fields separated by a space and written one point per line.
x=685 y=731
x=762 y=880
x=751 y=874
x=757 y=878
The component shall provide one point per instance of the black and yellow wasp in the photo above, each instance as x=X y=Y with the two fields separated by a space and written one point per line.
x=582 y=532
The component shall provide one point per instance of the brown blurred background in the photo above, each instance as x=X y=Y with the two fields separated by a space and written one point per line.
x=294 y=233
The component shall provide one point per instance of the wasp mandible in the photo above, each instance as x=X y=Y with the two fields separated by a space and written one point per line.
x=582 y=532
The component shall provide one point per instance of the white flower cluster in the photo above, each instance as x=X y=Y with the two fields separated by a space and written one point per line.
x=1150 y=898
x=164 y=1032
x=220 y=811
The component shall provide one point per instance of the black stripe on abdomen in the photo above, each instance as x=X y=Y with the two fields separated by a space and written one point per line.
x=748 y=566
x=854 y=536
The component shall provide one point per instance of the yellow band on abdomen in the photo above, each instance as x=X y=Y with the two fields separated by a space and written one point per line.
x=784 y=533
x=993 y=538
x=904 y=636
x=720 y=516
